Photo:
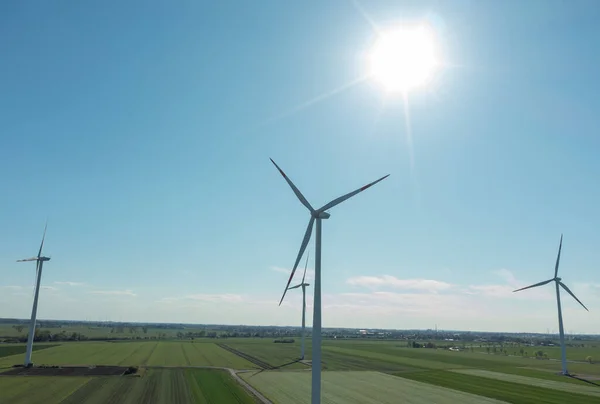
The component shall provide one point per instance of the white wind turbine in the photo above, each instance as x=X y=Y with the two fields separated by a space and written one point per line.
x=558 y=282
x=316 y=215
x=38 y=276
x=303 y=285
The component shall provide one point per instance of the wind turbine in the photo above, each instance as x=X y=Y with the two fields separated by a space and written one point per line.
x=316 y=215
x=303 y=286
x=38 y=274
x=558 y=282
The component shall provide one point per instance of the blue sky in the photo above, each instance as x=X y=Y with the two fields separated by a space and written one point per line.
x=143 y=131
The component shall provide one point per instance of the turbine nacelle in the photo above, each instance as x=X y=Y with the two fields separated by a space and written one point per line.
x=321 y=215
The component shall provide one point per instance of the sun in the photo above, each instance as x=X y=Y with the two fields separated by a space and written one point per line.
x=404 y=58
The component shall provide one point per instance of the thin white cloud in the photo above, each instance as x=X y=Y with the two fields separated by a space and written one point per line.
x=68 y=283
x=226 y=297
x=508 y=276
x=12 y=287
x=205 y=297
x=376 y=282
x=51 y=288
x=114 y=292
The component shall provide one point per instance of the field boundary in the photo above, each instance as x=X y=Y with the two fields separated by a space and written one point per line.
x=264 y=365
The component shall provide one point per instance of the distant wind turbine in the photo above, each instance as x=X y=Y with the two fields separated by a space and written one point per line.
x=316 y=215
x=303 y=285
x=558 y=282
x=38 y=272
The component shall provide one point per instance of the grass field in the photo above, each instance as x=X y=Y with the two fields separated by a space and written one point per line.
x=157 y=386
x=10 y=349
x=361 y=387
x=354 y=371
x=515 y=393
x=553 y=352
x=151 y=353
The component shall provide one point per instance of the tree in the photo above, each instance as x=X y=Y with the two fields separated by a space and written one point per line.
x=521 y=351
x=145 y=330
x=18 y=327
x=589 y=359
x=487 y=349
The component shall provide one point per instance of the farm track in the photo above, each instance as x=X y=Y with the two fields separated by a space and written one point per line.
x=249 y=358
x=185 y=355
x=145 y=361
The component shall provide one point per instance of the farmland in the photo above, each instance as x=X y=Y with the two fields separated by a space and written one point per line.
x=362 y=387
x=151 y=353
x=157 y=386
x=170 y=371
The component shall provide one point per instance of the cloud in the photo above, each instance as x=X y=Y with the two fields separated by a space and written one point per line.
x=205 y=297
x=68 y=283
x=376 y=282
x=507 y=276
x=114 y=292
x=226 y=297
x=51 y=288
x=12 y=287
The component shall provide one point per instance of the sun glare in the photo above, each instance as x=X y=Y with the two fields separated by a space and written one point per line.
x=404 y=58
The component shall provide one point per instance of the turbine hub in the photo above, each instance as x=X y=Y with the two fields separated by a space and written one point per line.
x=323 y=215
x=558 y=279
x=44 y=259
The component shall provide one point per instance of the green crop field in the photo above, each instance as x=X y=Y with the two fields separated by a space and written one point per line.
x=552 y=352
x=360 y=387
x=15 y=349
x=394 y=372
x=269 y=352
x=515 y=393
x=527 y=379
x=157 y=386
x=532 y=381
x=149 y=353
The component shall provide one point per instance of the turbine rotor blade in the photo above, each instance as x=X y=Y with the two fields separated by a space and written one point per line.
x=305 y=241
x=305 y=266
x=558 y=257
x=533 y=286
x=43 y=237
x=28 y=259
x=572 y=294
x=296 y=190
x=294 y=287
x=342 y=198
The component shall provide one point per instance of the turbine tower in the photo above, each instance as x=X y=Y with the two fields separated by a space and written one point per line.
x=303 y=285
x=558 y=282
x=316 y=215
x=38 y=276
